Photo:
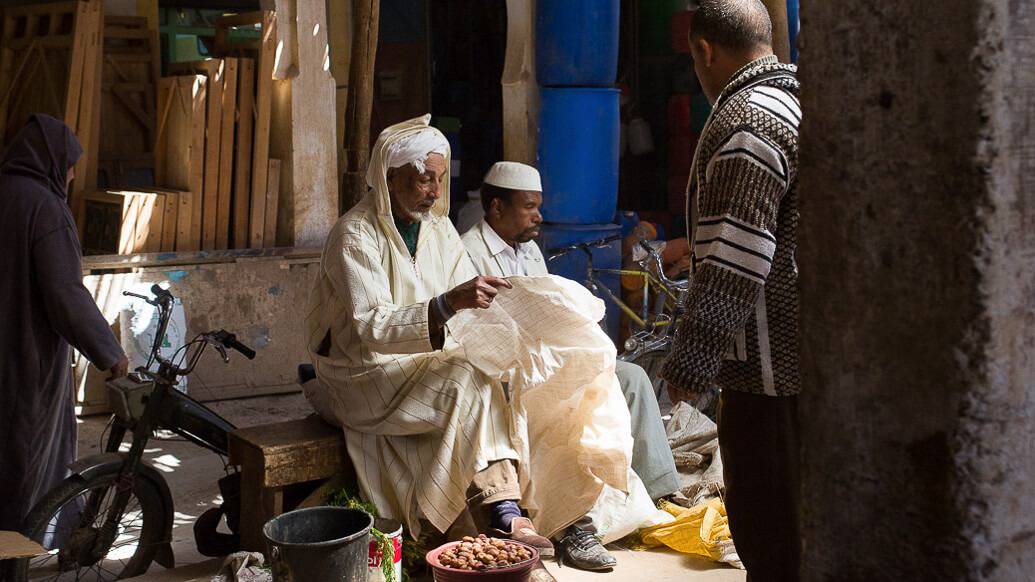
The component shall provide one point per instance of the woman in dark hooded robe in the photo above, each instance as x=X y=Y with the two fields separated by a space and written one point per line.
x=44 y=307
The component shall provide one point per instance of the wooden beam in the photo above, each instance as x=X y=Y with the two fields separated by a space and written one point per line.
x=226 y=152
x=263 y=107
x=313 y=203
x=366 y=14
x=781 y=33
x=269 y=236
x=243 y=165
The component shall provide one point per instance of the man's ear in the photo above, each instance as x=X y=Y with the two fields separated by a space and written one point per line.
x=703 y=51
x=495 y=207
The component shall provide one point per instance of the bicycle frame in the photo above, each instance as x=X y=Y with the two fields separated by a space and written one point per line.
x=658 y=280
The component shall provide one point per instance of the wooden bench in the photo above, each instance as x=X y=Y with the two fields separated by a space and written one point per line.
x=276 y=457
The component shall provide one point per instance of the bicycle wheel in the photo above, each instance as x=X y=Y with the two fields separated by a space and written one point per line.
x=67 y=521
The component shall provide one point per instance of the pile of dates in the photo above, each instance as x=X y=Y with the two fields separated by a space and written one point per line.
x=484 y=553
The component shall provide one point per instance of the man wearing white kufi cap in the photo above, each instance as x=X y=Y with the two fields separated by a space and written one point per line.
x=503 y=245
x=430 y=433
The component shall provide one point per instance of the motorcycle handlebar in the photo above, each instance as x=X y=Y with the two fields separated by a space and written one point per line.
x=230 y=340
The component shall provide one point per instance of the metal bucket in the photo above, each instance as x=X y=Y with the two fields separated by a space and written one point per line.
x=319 y=544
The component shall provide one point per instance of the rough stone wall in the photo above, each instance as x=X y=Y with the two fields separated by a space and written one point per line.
x=917 y=261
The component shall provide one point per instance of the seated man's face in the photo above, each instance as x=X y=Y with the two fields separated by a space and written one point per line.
x=517 y=220
x=413 y=194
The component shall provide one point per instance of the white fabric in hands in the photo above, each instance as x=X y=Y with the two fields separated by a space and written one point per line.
x=571 y=421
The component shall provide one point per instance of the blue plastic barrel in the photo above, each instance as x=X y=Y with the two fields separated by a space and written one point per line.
x=578 y=155
x=573 y=264
x=576 y=42
x=793 y=26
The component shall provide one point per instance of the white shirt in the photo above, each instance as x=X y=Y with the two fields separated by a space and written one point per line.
x=493 y=256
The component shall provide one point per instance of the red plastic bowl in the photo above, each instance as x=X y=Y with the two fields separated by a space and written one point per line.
x=516 y=573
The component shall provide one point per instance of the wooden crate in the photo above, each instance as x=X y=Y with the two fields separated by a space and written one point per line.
x=128 y=117
x=180 y=151
x=133 y=221
x=49 y=63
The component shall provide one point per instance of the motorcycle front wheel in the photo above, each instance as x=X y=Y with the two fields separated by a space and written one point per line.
x=68 y=520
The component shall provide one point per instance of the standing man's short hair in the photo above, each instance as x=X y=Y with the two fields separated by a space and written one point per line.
x=734 y=24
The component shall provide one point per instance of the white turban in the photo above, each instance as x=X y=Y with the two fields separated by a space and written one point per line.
x=415 y=149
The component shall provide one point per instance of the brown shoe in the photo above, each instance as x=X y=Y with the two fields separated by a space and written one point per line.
x=522 y=530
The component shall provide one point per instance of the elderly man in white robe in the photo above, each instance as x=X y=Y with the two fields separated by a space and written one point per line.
x=502 y=245
x=431 y=434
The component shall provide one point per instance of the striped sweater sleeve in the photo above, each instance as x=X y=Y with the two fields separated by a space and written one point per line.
x=734 y=244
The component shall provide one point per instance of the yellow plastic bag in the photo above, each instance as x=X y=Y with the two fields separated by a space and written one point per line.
x=702 y=530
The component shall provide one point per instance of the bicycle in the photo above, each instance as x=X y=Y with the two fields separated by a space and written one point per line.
x=115 y=512
x=650 y=345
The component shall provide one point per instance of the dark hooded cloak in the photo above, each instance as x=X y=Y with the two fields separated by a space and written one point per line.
x=44 y=307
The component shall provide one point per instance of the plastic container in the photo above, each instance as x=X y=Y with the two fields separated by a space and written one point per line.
x=576 y=42
x=516 y=573
x=573 y=264
x=793 y=26
x=393 y=530
x=319 y=544
x=579 y=140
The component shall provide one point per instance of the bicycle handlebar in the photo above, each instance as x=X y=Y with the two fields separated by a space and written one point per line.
x=557 y=252
x=656 y=259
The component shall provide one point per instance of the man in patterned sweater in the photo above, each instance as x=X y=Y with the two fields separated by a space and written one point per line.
x=740 y=329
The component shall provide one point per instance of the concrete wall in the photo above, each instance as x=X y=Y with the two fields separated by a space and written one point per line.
x=260 y=298
x=918 y=290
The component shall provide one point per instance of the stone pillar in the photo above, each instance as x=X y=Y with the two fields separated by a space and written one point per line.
x=917 y=262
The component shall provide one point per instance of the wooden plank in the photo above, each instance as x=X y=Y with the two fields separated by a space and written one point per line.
x=290 y=255
x=166 y=96
x=76 y=63
x=15 y=545
x=180 y=150
x=87 y=129
x=213 y=129
x=243 y=165
x=272 y=204
x=226 y=152
x=263 y=107
x=184 y=223
x=142 y=216
x=241 y=19
x=155 y=225
x=170 y=221
x=197 y=161
x=130 y=217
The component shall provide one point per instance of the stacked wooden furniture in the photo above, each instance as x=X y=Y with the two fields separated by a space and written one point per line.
x=50 y=62
x=213 y=140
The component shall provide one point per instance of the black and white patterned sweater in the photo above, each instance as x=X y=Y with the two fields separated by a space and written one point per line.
x=741 y=325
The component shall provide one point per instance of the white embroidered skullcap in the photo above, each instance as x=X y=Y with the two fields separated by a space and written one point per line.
x=514 y=176
x=416 y=147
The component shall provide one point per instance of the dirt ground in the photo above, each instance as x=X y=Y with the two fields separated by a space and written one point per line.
x=192 y=473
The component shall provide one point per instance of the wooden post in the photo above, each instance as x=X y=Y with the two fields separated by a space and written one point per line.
x=520 y=92
x=781 y=33
x=361 y=98
x=311 y=208
x=339 y=38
